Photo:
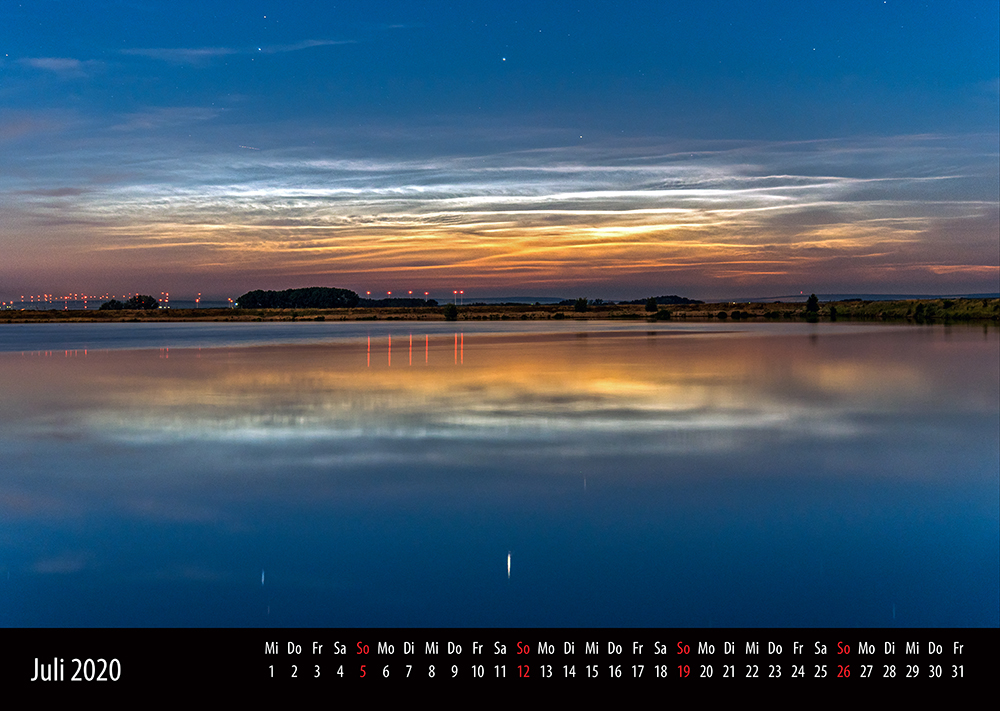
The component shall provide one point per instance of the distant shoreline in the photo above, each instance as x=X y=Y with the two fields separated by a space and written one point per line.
x=901 y=311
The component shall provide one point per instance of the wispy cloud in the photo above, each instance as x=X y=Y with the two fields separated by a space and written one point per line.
x=749 y=213
x=202 y=55
x=182 y=55
x=305 y=44
x=165 y=117
x=55 y=192
x=17 y=124
x=65 y=67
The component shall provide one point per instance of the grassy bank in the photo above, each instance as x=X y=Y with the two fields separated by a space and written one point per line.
x=908 y=311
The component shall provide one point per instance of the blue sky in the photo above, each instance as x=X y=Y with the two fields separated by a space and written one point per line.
x=607 y=149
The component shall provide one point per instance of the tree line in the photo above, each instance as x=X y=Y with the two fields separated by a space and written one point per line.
x=141 y=302
x=320 y=297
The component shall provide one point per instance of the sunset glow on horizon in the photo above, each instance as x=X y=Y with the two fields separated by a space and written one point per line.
x=842 y=149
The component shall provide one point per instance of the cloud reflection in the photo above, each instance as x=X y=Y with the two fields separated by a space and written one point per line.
x=548 y=390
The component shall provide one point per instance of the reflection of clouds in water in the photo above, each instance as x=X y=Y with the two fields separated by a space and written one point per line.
x=552 y=395
x=554 y=390
x=184 y=478
x=496 y=424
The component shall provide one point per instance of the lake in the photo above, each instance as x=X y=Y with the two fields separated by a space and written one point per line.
x=499 y=474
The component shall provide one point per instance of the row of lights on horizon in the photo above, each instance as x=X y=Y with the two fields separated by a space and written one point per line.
x=75 y=297
x=164 y=300
x=38 y=299
x=458 y=294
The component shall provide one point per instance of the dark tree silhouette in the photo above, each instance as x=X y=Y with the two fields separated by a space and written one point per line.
x=143 y=302
x=673 y=299
x=315 y=297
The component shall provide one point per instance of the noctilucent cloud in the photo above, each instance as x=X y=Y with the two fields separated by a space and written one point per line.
x=603 y=149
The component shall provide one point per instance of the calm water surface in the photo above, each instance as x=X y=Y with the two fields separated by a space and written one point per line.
x=374 y=475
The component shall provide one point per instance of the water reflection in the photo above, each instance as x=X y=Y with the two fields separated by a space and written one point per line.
x=530 y=388
x=744 y=480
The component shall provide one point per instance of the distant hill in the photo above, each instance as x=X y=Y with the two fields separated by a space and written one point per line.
x=793 y=298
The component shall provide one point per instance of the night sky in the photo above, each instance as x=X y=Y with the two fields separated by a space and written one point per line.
x=613 y=150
